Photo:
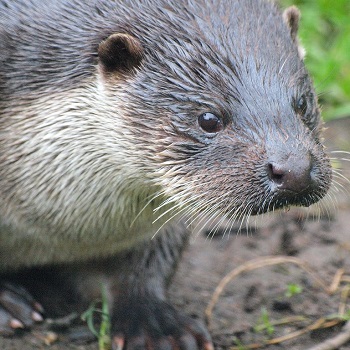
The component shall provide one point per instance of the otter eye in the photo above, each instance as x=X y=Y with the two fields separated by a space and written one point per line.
x=209 y=122
x=301 y=105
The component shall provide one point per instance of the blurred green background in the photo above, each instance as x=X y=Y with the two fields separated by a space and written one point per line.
x=325 y=33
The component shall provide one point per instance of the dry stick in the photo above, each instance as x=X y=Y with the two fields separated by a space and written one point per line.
x=288 y=320
x=344 y=297
x=320 y=323
x=252 y=265
x=337 y=341
x=345 y=279
x=344 y=336
x=338 y=277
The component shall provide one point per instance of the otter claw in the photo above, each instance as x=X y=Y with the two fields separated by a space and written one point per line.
x=17 y=309
x=36 y=317
x=16 y=324
x=208 y=346
x=154 y=324
x=118 y=343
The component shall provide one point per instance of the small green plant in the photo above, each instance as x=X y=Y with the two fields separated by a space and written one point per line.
x=103 y=334
x=264 y=324
x=239 y=344
x=293 y=289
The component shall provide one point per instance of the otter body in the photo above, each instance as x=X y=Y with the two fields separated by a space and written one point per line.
x=119 y=120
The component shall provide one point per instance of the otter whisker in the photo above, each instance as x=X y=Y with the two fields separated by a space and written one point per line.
x=232 y=217
x=240 y=214
x=325 y=208
x=325 y=204
x=338 y=186
x=338 y=174
x=176 y=197
x=210 y=216
x=181 y=209
x=340 y=152
x=206 y=211
x=153 y=198
x=177 y=204
x=207 y=215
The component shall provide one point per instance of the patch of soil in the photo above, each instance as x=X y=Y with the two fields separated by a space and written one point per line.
x=320 y=237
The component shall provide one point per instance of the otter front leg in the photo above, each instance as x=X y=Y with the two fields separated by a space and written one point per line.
x=140 y=314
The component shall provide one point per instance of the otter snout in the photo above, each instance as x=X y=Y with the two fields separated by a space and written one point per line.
x=293 y=174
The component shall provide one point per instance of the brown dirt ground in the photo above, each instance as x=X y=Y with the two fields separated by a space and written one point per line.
x=322 y=242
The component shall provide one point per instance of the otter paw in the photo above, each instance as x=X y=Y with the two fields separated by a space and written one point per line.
x=155 y=325
x=17 y=308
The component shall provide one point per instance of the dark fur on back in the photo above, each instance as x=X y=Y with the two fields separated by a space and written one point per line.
x=49 y=42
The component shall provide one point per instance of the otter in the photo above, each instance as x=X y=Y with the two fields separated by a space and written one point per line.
x=119 y=120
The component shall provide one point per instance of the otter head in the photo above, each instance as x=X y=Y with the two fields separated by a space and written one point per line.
x=222 y=111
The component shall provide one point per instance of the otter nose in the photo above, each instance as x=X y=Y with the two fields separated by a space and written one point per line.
x=293 y=174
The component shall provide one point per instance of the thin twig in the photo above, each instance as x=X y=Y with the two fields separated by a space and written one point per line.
x=255 y=264
x=344 y=296
x=320 y=323
x=335 y=342
x=338 y=278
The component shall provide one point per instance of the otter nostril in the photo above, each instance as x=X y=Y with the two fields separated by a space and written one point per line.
x=293 y=174
x=275 y=173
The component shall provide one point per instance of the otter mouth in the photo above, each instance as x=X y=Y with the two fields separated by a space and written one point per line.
x=286 y=199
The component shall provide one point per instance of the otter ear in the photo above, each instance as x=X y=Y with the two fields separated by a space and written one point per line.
x=291 y=16
x=120 y=53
